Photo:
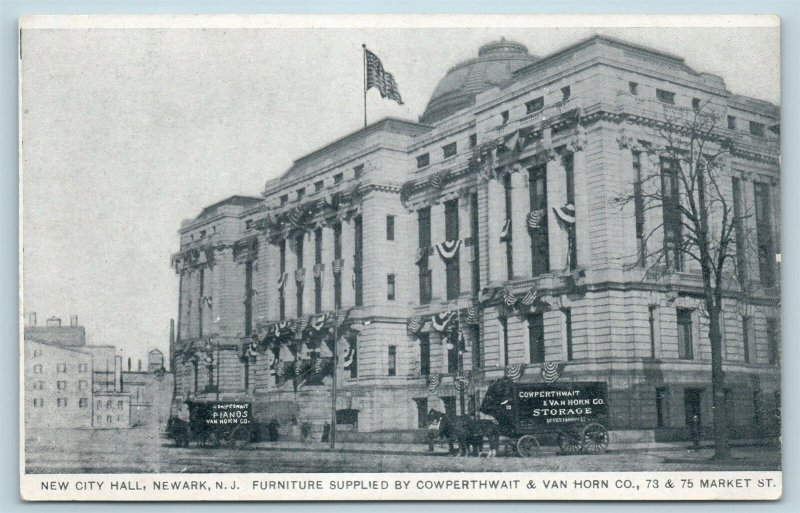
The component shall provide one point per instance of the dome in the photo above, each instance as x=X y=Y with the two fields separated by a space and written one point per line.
x=494 y=65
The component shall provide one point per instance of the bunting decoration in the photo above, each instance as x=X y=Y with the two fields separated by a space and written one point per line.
x=505 y=233
x=337 y=266
x=241 y=350
x=441 y=321
x=318 y=365
x=551 y=371
x=509 y=298
x=318 y=269
x=262 y=335
x=301 y=324
x=437 y=179
x=341 y=317
x=511 y=142
x=349 y=357
x=566 y=213
x=421 y=253
x=529 y=297
x=515 y=371
x=279 y=368
x=299 y=275
x=414 y=324
x=434 y=380
x=473 y=314
x=535 y=218
x=252 y=351
x=282 y=281
x=448 y=249
x=298 y=367
x=319 y=322
x=461 y=383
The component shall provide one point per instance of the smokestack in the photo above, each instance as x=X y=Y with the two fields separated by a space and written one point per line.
x=117 y=373
x=140 y=365
x=171 y=332
x=129 y=364
x=73 y=320
x=32 y=319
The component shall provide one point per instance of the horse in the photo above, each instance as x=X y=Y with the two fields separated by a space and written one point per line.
x=468 y=432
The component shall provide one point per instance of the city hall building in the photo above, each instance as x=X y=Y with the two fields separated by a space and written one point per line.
x=487 y=240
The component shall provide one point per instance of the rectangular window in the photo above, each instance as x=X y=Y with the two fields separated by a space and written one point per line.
x=476 y=270
x=757 y=129
x=633 y=87
x=504 y=116
x=661 y=399
x=773 y=341
x=358 y=260
x=319 y=185
x=337 y=277
x=451 y=340
x=572 y=241
x=568 y=325
x=37 y=353
x=509 y=215
x=38 y=385
x=284 y=199
x=37 y=369
x=473 y=140
x=673 y=227
x=566 y=92
x=61 y=402
x=449 y=150
x=696 y=104
x=536 y=338
x=424 y=354
x=338 y=178
x=540 y=245
x=83 y=385
x=83 y=402
x=534 y=105
x=731 y=123
x=665 y=96
x=248 y=297
x=358 y=171
x=120 y=405
x=424 y=237
x=651 y=321
x=392 y=360
x=38 y=402
x=685 y=344
x=423 y=160
x=741 y=250
x=766 y=253
x=282 y=295
x=475 y=337
x=390 y=287
x=301 y=192
x=638 y=205
x=452 y=267
x=746 y=338
x=61 y=385
x=61 y=367
x=504 y=330
x=389 y=227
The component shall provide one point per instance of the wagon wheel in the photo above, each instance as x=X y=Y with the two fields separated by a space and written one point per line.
x=528 y=446
x=569 y=441
x=238 y=438
x=595 y=438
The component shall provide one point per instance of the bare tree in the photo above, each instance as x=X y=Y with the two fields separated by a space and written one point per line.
x=698 y=221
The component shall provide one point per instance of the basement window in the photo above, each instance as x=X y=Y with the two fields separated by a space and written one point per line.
x=423 y=160
x=665 y=96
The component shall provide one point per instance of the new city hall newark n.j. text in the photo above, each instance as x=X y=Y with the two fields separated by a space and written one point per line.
x=482 y=242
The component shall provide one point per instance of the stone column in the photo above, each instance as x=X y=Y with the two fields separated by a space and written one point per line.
x=556 y=197
x=520 y=206
x=269 y=268
x=438 y=273
x=348 y=254
x=582 y=212
x=464 y=254
x=308 y=263
x=496 y=219
x=327 y=273
x=290 y=287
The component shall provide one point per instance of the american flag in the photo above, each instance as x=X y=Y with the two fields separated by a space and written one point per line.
x=379 y=78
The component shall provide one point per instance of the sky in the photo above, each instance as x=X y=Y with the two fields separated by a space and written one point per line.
x=125 y=132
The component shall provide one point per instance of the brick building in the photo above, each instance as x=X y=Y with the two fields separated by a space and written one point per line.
x=504 y=188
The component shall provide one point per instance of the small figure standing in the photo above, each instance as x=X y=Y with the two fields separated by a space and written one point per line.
x=696 y=429
x=326 y=432
x=432 y=433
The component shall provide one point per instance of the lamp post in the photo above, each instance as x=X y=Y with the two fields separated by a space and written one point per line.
x=333 y=380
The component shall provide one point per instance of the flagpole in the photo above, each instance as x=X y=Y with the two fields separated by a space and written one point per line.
x=364 y=47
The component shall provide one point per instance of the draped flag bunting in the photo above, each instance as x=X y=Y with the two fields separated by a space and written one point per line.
x=473 y=314
x=252 y=350
x=318 y=269
x=337 y=265
x=515 y=371
x=448 y=249
x=414 y=324
x=319 y=322
x=279 y=368
x=262 y=335
x=298 y=367
x=441 y=321
x=277 y=332
x=551 y=371
x=461 y=383
x=421 y=253
x=505 y=233
x=281 y=280
x=241 y=350
x=535 y=218
x=349 y=357
x=434 y=380
x=566 y=213
x=300 y=324
x=511 y=142
x=299 y=275
x=509 y=298
x=318 y=365
x=529 y=297
x=341 y=317
x=437 y=179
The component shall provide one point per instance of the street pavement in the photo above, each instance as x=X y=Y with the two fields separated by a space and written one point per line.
x=146 y=450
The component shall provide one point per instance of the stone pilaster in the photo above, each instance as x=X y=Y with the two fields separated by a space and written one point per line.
x=496 y=218
x=556 y=197
x=520 y=206
x=437 y=265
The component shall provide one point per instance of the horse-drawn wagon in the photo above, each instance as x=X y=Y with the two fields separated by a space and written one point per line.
x=213 y=423
x=529 y=415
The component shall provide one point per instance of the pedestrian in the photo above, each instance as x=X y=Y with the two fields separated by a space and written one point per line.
x=432 y=433
x=326 y=432
x=696 y=429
